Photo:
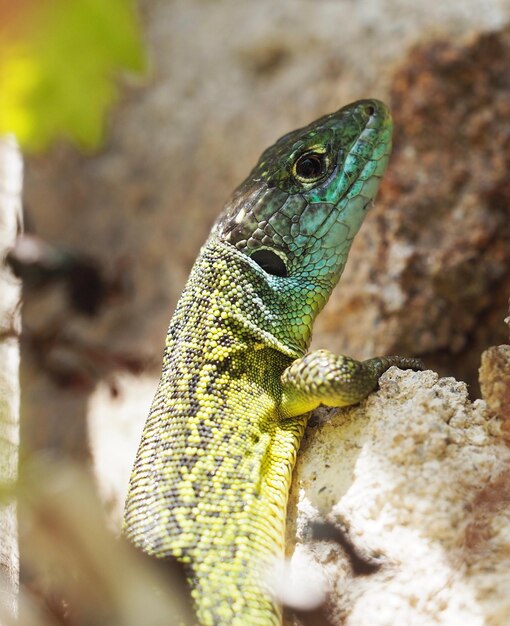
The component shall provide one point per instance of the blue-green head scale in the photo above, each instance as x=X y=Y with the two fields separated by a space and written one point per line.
x=294 y=218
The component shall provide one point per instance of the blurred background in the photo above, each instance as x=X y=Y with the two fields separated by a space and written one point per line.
x=213 y=84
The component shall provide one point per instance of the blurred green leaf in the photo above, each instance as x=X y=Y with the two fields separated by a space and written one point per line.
x=57 y=68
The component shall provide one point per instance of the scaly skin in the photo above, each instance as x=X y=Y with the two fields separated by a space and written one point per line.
x=213 y=470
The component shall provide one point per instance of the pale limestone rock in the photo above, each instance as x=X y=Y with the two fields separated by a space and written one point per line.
x=421 y=477
x=495 y=382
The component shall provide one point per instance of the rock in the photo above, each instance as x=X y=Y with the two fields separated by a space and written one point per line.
x=495 y=382
x=420 y=477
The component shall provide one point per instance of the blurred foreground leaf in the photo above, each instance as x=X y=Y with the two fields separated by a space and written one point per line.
x=75 y=572
x=57 y=63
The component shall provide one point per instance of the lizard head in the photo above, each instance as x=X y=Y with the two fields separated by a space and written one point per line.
x=300 y=207
x=296 y=214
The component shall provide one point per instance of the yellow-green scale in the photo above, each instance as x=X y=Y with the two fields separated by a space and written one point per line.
x=213 y=471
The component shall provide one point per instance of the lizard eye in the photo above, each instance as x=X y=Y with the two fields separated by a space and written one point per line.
x=270 y=262
x=310 y=167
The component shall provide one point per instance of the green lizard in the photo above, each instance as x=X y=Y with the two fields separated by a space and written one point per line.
x=212 y=475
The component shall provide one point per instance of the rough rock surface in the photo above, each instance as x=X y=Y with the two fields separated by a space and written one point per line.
x=495 y=382
x=420 y=476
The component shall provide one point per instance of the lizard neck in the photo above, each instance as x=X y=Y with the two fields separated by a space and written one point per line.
x=213 y=471
x=278 y=310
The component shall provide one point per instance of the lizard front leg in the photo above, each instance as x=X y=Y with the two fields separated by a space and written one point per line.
x=322 y=377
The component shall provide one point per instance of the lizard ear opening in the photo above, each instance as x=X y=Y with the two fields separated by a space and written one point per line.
x=270 y=262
